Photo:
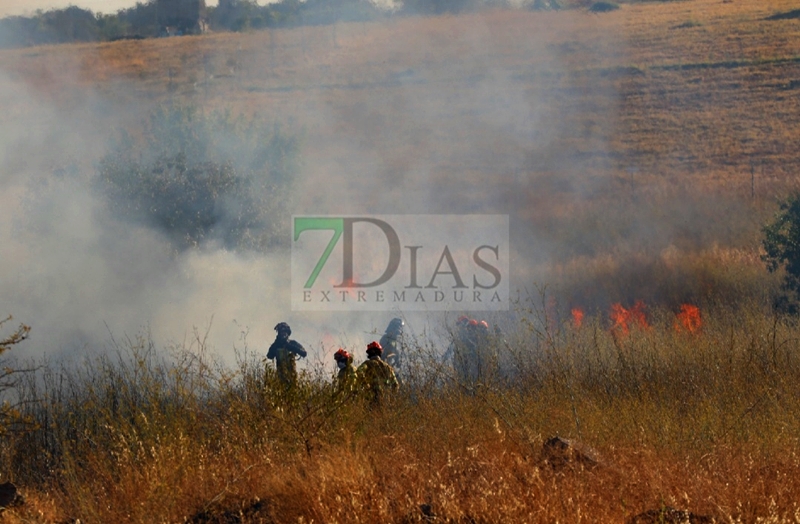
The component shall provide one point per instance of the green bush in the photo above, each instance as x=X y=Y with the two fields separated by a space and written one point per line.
x=603 y=7
x=201 y=178
x=782 y=251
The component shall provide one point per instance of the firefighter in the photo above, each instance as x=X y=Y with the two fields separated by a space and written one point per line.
x=375 y=376
x=459 y=333
x=485 y=351
x=391 y=342
x=285 y=351
x=346 y=378
x=482 y=334
x=466 y=358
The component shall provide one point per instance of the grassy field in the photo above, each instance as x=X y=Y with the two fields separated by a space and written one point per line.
x=704 y=422
x=638 y=153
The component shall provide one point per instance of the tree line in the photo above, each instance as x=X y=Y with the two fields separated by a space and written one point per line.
x=148 y=20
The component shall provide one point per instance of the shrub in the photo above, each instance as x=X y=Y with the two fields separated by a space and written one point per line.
x=544 y=5
x=201 y=178
x=9 y=415
x=688 y=24
x=782 y=246
x=603 y=7
x=788 y=15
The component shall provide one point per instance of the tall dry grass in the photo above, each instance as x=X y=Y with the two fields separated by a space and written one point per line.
x=707 y=422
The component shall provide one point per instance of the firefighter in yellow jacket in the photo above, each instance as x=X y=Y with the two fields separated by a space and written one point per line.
x=346 y=378
x=375 y=376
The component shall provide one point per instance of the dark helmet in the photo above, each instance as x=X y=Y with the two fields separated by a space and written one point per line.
x=283 y=327
x=395 y=326
x=374 y=349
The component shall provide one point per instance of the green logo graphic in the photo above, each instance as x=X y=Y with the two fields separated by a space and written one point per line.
x=344 y=226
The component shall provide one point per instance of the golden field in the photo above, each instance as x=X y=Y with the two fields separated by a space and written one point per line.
x=696 y=88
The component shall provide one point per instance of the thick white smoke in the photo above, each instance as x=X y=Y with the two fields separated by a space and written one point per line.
x=80 y=274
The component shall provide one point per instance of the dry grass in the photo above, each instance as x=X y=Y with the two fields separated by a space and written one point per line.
x=705 y=422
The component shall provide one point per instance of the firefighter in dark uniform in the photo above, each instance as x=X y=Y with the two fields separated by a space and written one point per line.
x=285 y=351
x=485 y=352
x=391 y=342
x=459 y=335
x=466 y=358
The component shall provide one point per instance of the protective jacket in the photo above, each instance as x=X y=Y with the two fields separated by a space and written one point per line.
x=392 y=344
x=391 y=351
x=285 y=352
x=346 y=379
x=376 y=377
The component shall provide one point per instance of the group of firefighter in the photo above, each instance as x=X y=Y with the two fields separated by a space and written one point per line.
x=377 y=375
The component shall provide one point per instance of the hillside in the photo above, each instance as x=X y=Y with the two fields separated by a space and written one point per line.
x=669 y=89
x=548 y=116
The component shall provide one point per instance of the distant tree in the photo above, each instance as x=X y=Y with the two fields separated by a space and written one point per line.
x=287 y=13
x=435 y=7
x=203 y=178
x=17 y=31
x=782 y=251
x=603 y=7
x=112 y=27
x=9 y=414
x=240 y=15
x=185 y=16
x=72 y=24
x=140 y=19
x=331 y=11
x=545 y=5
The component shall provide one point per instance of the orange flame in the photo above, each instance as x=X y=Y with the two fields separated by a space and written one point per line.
x=624 y=319
x=577 y=317
x=688 y=319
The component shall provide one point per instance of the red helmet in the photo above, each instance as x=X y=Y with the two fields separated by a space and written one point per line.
x=341 y=355
x=484 y=324
x=463 y=319
x=473 y=322
x=374 y=347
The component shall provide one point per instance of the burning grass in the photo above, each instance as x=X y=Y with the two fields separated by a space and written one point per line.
x=689 y=319
x=624 y=319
